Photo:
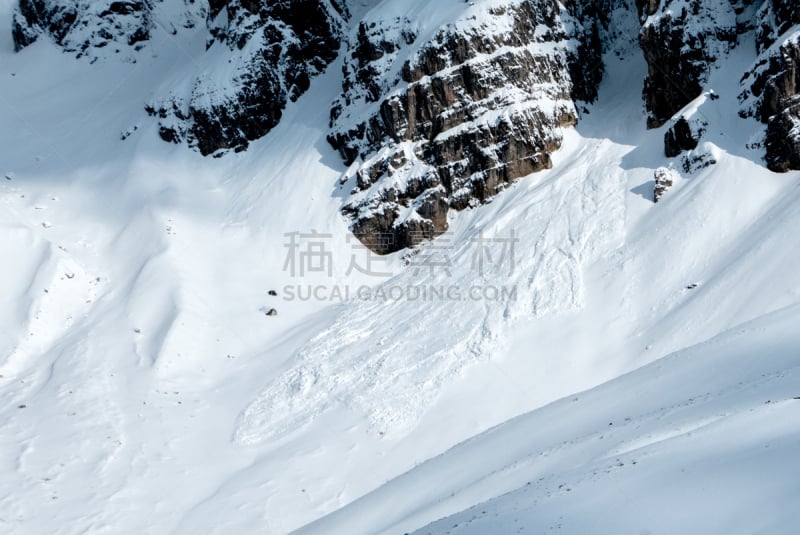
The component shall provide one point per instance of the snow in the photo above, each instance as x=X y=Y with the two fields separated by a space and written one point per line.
x=701 y=441
x=152 y=381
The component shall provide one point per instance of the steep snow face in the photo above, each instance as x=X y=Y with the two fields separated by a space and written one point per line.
x=450 y=120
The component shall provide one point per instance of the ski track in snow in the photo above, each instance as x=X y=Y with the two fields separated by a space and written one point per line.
x=380 y=361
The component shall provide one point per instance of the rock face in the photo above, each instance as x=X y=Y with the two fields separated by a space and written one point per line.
x=275 y=48
x=680 y=40
x=783 y=140
x=663 y=181
x=683 y=136
x=452 y=121
x=84 y=27
x=776 y=17
x=444 y=114
x=771 y=89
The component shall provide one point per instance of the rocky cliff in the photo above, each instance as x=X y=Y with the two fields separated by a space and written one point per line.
x=681 y=40
x=441 y=107
x=275 y=48
x=452 y=120
x=771 y=88
x=84 y=27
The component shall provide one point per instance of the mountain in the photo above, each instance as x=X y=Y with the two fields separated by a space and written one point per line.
x=500 y=328
x=441 y=112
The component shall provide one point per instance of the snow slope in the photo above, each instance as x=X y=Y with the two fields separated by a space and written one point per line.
x=134 y=282
x=637 y=307
x=702 y=441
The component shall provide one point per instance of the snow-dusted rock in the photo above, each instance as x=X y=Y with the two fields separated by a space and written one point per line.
x=84 y=27
x=771 y=88
x=663 y=181
x=275 y=49
x=683 y=135
x=775 y=18
x=783 y=139
x=450 y=122
x=680 y=40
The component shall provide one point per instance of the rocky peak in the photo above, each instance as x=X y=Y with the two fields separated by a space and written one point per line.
x=683 y=135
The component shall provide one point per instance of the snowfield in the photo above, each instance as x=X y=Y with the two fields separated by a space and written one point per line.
x=701 y=441
x=644 y=380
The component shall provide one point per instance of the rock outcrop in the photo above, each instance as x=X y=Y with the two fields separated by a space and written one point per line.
x=775 y=19
x=683 y=135
x=783 y=140
x=663 y=181
x=275 y=49
x=84 y=28
x=453 y=121
x=680 y=40
x=771 y=88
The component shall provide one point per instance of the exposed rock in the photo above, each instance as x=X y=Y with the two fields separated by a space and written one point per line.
x=776 y=17
x=465 y=115
x=647 y=7
x=682 y=136
x=271 y=312
x=276 y=48
x=783 y=140
x=771 y=93
x=92 y=28
x=695 y=161
x=773 y=81
x=664 y=179
x=680 y=40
